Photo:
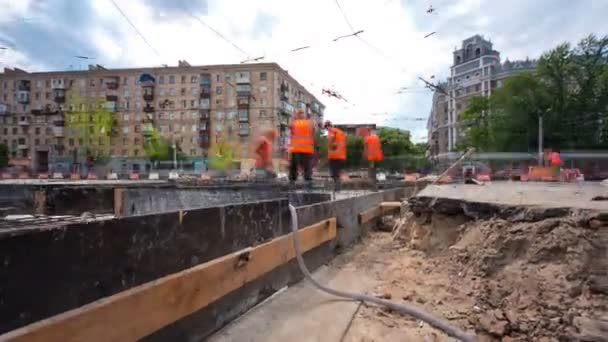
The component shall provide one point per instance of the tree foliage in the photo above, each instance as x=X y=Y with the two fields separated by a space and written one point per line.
x=569 y=89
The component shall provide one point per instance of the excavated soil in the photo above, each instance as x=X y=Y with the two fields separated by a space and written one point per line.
x=504 y=273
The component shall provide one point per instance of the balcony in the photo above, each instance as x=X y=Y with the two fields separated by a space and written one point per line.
x=286 y=108
x=205 y=80
x=23 y=85
x=243 y=77
x=243 y=116
x=205 y=93
x=58 y=147
x=204 y=104
x=112 y=98
x=148 y=109
x=148 y=96
x=59 y=95
x=24 y=122
x=3 y=109
x=111 y=82
x=22 y=147
x=204 y=114
x=23 y=96
x=110 y=106
x=244 y=131
x=243 y=89
x=58 y=132
x=147 y=81
x=204 y=140
x=57 y=83
x=284 y=120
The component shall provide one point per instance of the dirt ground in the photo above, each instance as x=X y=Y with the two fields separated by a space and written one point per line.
x=501 y=280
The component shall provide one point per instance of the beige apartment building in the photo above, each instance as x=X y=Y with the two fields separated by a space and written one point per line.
x=54 y=120
x=476 y=71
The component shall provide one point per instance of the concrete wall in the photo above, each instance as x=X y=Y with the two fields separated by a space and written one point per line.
x=50 y=270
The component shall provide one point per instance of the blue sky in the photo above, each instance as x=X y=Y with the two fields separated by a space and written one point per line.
x=46 y=35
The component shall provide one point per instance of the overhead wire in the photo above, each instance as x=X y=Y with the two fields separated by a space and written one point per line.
x=135 y=28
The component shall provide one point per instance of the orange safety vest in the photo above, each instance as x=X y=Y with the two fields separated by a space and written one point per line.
x=555 y=159
x=263 y=151
x=302 y=140
x=374 y=150
x=338 y=150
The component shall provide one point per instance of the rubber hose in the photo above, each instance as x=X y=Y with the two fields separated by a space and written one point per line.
x=402 y=308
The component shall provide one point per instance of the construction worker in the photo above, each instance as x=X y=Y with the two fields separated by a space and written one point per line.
x=301 y=147
x=263 y=154
x=336 y=152
x=556 y=163
x=372 y=151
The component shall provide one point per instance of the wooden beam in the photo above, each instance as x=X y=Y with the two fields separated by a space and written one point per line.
x=370 y=214
x=118 y=202
x=40 y=202
x=389 y=206
x=135 y=313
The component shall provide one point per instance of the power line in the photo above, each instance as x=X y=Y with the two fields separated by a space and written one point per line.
x=218 y=33
x=135 y=28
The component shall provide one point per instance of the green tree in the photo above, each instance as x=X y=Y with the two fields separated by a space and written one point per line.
x=569 y=89
x=3 y=155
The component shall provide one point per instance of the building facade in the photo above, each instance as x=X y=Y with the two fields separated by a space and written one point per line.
x=51 y=121
x=356 y=129
x=476 y=71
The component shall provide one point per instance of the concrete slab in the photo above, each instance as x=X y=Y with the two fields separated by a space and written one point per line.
x=525 y=193
x=302 y=312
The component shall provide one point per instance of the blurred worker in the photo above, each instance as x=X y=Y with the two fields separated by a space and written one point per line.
x=372 y=151
x=301 y=147
x=555 y=164
x=263 y=154
x=336 y=152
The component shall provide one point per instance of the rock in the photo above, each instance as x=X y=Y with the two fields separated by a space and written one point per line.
x=420 y=300
x=384 y=296
x=494 y=323
x=575 y=290
x=595 y=224
x=598 y=284
x=589 y=329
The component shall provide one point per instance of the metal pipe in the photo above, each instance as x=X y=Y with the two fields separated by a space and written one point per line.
x=402 y=308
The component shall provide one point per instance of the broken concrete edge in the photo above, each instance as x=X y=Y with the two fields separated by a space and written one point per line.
x=513 y=213
x=122 y=253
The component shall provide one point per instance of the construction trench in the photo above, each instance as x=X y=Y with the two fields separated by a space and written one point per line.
x=157 y=261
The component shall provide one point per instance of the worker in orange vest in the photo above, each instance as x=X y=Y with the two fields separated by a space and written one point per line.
x=556 y=164
x=372 y=151
x=301 y=147
x=336 y=152
x=263 y=154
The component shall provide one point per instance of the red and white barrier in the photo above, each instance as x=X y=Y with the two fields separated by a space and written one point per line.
x=133 y=175
x=91 y=176
x=43 y=175
x=74 y=176
x=7 y=175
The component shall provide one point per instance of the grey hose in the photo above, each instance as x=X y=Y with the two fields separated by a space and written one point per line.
x=402 y=308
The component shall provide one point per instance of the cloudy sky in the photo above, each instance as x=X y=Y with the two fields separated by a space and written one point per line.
x=392 y=52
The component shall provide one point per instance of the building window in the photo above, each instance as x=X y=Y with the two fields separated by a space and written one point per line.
x=162 y=92
x=125 y=117
x=124 y=153
x=161 y=79
x=47 y=95
x=15 y=130
x=218 y=89
x=136 y=152
x=125 y=129
x=183 y=78
x=263 y=76
x=184 y=104
x=37 y=130
x=193 y=79
x=217 y=78
x=182 y=92
x=262 y=113
x=193 y=128
x=171 y=79
x=171 y=91
x=137 y=128
x=125 y=141
x=136 y=141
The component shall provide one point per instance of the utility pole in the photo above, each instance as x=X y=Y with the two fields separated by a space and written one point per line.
x=174 y=156
x=540 y=140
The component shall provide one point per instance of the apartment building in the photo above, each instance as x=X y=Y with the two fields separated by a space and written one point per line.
x=55 y=120
x=476 y=71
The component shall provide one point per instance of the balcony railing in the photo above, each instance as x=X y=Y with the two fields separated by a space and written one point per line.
x=112 y=82
x=243 y=116
x=59 y=95
x=242 y=77
x=205 y=80
x=148 y=109
x=23 y=85
x=58 y=83
x=286 y=108
x=148 y=97
x=58 y=132
x=204 y=114
x=147 y=80
x=23 y=96
x=243 y=131
x=243 y=89
x=110 y=106
x=22 y=146
x=204 y=104
x=3 y=109
x=24 y=122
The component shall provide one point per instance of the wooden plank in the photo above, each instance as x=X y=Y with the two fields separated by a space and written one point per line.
x=370 y=214
x=389 y=206
x=133 y=314
x=118 y=202
x=40 y=202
